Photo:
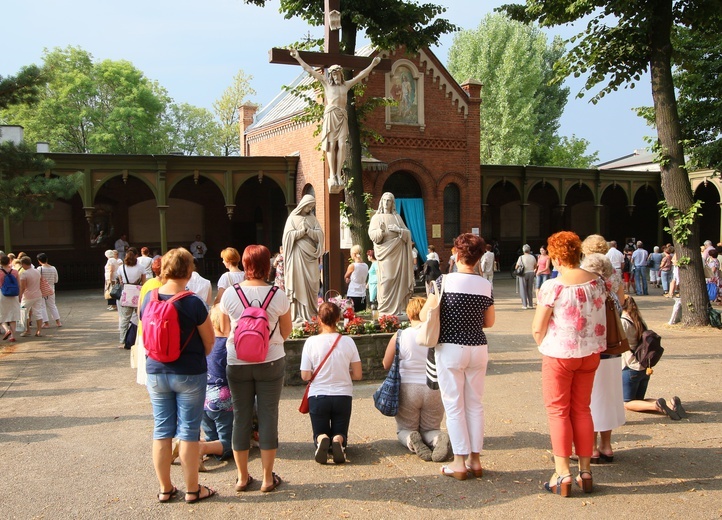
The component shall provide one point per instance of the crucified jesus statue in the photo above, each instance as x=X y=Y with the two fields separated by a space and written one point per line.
x=334 y=135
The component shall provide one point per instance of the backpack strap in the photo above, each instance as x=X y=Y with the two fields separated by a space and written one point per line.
x=241 y=294
x=269 y=297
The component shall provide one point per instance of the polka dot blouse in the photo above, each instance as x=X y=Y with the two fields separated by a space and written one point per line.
x=466 y=297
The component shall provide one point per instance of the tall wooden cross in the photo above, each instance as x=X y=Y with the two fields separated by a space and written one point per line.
x=332 y=196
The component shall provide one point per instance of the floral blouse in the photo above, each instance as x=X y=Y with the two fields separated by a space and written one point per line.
x=578 y=324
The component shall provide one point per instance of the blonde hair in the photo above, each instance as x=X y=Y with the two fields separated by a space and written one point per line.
x=595 y=244
x=176 y=264
x=413 y=308
x=356 y=252
x=216 y=318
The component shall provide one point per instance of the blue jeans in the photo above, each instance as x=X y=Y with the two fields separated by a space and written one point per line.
x=640 y=280
x=541 y=278
x=218 y=426
x=177 y=402
x=666 y=279
x=634 y=384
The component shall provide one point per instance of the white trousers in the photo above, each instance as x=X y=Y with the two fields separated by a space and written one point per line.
x=461 y=371
x=50 y=309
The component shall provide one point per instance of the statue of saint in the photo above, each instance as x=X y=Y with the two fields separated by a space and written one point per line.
x=392 y=247
x=335 y=119
x=302 y=248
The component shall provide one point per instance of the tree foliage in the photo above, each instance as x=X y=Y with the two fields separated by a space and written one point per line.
x=226 y=110
x=388 y=24
x=521 y=106
x=22 y=88
x=194 y=131
x=622 y=41
x=25 y=188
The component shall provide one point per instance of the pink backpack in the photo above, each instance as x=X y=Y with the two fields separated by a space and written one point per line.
x=161 y=328
x=252 y=333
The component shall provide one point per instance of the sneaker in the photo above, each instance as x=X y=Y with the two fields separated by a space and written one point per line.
x=442 y=450
x=416 y=444
x=524 y=307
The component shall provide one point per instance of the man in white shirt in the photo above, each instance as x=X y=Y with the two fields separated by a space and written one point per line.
x=200 y=286
x=486 y=265
x=639 y=264
x=198 y=248
x=616 y=257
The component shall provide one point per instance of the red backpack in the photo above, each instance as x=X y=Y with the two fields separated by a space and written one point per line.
x=161 y=328
x=252 y=333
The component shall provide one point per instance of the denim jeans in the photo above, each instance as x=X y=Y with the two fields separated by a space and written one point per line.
x=218 y=426
x=177 y=402
x=640 y=280
x=634 y=384
x=666 y=279
x=541 y=278
x=330 y=414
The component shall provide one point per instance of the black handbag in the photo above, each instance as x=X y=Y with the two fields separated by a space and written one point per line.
x=116 y=291
x=386 y=398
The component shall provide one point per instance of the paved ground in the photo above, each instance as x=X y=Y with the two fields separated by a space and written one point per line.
x=75 y=438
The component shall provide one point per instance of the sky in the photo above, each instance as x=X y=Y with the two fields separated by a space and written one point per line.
x=195 y=48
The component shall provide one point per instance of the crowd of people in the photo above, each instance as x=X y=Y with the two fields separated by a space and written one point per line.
x=235 y=402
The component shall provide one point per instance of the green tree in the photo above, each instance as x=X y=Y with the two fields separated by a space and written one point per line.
x=194 y=131
x=388 y=24
x=570 y=152
x=88 y=107
x=226 y=110
x=698 y=79
x=620 y=42
x=22 y=88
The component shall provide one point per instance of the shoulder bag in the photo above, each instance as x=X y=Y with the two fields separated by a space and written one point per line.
x=386 y=398
x=428 y=335
x=304 y=402
x=130 y=292
x=45 y=288
x=617 y=342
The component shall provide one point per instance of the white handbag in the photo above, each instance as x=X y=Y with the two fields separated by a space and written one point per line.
x=428 y=335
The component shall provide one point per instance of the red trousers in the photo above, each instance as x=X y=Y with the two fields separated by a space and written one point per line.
x=567 y=390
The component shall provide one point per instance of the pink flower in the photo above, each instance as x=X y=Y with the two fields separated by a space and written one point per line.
x=581 y=323
x=600 y=330
x=581 y=295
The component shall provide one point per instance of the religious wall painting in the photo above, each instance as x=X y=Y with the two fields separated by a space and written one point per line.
x=404 y=85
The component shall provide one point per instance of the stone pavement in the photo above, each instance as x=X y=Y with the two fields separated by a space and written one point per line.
x=75 y=434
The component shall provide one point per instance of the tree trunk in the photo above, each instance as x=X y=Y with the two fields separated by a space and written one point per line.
x=354 y=182
x=675 y=182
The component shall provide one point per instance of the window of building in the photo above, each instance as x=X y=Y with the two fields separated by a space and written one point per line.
x=452 y=213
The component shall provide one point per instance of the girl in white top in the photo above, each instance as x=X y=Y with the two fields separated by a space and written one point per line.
x=231 y=258
x=330 y=395
x=355 y=277
x=418 y=422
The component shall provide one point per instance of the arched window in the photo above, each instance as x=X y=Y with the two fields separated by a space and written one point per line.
x=452 y=213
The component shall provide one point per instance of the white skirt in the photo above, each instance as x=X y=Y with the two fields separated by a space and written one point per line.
x=607 y=396
x=9 y=308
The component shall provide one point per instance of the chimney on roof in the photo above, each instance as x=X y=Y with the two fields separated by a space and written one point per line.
x=12 y=133
x=246 y=113
x=42 y=147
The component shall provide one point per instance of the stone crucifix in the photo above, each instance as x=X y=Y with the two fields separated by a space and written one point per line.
x=335 y=118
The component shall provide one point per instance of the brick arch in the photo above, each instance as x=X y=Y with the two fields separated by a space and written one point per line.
x=422 y=175
x=458 y=178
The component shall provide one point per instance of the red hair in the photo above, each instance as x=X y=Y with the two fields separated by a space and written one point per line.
x=329 y=314
x=469 y=248
x=566 y=248
x=256 y=262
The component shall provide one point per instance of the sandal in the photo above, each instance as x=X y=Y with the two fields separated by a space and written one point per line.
x=561 y=488
x=321 y=455
x=7 y=335
x=677 y=407
x=198 y=496
x=339 y=457
x=585 y=483
x=170 y=494
x=244 y=487
x=478 y=473
x=276 y=482
x=458 y=475
x=662 y=405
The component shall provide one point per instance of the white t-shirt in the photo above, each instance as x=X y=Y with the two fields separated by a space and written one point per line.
x=229 y=278
x=231 y=304
x=133 y=272
x=200 y=286
x=433 y=256
x=487 y=262
x=616 y=257
x=145 y=262
x=334 y=378
x=412 y=357
x=357 y=283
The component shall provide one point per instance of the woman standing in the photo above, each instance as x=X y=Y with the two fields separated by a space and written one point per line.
x=9 y=305
x=111 y=268
x=543 y=269
x=331 y=393
x=570 y=328
x=418 y=422
x=665 y=270
x=256 y=384
x=526 y=281
x=231 y=258
x=373 y=280
x=177 y=389
x=467 y=308
x=129 y=273
x=355 y=277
